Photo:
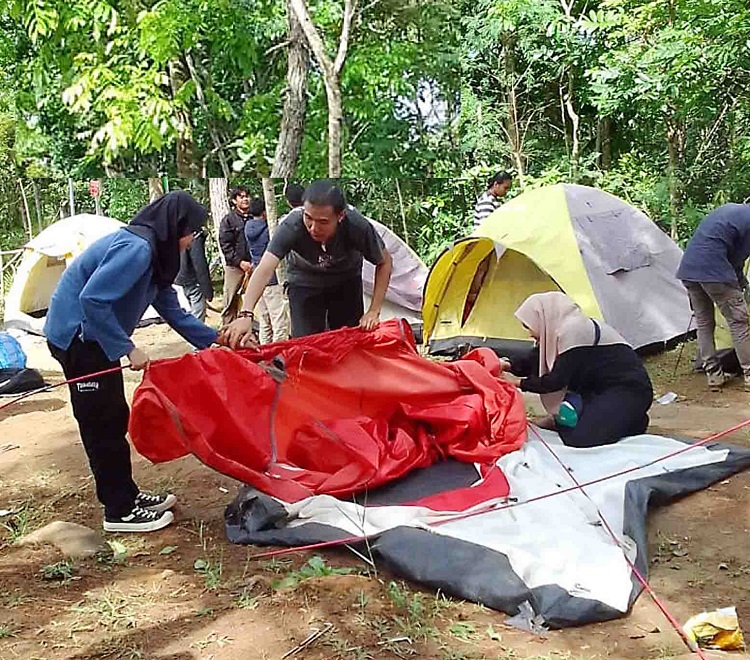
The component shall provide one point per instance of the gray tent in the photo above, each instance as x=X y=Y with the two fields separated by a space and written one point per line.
x=404 y=297
x=605 y=254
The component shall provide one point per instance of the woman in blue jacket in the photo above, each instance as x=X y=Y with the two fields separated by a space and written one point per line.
x=93 y=312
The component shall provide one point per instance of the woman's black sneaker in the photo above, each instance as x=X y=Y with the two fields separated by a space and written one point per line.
x=139 y=520
x=155 y=502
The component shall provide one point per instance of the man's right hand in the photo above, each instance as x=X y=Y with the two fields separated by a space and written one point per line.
x=246 y=266
x=138 y=359
x=232 y=335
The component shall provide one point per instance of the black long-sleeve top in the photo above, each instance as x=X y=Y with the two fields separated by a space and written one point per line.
x=586 y=370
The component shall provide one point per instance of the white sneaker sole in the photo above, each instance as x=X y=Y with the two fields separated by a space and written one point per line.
x=159 y=523
x=166 y=505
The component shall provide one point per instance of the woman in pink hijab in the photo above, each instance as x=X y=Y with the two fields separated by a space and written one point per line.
x=589 y=378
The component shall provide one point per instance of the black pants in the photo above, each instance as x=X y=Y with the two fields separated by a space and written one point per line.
x=608 y=417
x=101 y=411
x=314 y=309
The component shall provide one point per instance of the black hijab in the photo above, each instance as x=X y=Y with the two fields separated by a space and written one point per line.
x=163 y=223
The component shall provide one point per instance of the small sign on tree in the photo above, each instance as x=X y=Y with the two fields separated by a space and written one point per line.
x=95 y=188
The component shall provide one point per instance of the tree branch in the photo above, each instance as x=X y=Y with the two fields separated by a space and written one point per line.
x=350 y=7
x=313 y=38
x=276 y=47
x=218 y=147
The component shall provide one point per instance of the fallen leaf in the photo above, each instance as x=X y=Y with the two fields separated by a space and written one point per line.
x=168 y=550
x=118 y=549
x=723 y=567
x=679 y=553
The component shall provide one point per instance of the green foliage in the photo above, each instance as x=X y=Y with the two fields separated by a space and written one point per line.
x=61 y=571
x=315 y=567
x=123 y=198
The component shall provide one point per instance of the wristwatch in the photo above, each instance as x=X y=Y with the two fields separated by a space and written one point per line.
x=246 y=314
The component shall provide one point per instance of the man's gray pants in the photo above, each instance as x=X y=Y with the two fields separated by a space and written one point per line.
x=731 y=303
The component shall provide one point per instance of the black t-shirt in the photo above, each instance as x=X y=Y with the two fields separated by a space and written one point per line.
x=587 y=370
x=309 y=264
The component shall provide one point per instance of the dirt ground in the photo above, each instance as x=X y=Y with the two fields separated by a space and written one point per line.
x=185 y=592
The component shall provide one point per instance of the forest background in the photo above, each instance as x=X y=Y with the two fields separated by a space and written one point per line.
x=412 y=103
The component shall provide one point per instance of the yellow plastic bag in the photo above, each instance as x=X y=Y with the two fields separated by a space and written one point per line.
x=719 y=629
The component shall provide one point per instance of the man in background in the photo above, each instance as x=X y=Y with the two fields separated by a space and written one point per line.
x=293 y=194
x=712 y=270
x=497 y=188
x=194 y=276
x=273 y=317
x=233 y=246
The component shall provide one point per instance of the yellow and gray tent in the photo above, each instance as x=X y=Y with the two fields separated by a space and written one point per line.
x=605 y=254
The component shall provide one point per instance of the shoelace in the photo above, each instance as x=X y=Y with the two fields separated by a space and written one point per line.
x=149 y=499
x=145 y=513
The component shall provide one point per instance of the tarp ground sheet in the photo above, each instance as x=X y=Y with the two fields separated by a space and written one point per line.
x=553 y=554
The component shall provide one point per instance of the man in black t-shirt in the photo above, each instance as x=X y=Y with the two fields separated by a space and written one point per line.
x=324 y=243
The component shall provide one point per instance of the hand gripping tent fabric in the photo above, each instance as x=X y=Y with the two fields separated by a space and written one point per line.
x=336 y=413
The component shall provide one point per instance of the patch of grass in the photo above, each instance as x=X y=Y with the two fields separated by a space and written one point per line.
x=414 y=622
x=464 y=631
x=342 y=648
x=10 y=601
x=211 y=571
x=6 y=631
x=276 y=566
x=247 y=601
x=19 y=524
x=315 y=567
x=213 y=638
x=62 y=571
x=110 y=609
x=205 y=611
x=209 y=568
x=442 y=605
x=362 y=600
x=120 y=647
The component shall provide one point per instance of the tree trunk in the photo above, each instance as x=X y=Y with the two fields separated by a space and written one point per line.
x=403 y=212
x=512 y=122
x=37 y=202
x=27 y=215
x=218 y=147
x=331 y=74
x=217 y=193
x=272 y=218
x=676 y=150
x=155 y=188
x=604 y=143
x=335 y=117
x=574 y=120
x=295 y=101
x=269 y=197
x=187 y=168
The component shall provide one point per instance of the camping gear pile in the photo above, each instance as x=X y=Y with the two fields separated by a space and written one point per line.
x=15 y=378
